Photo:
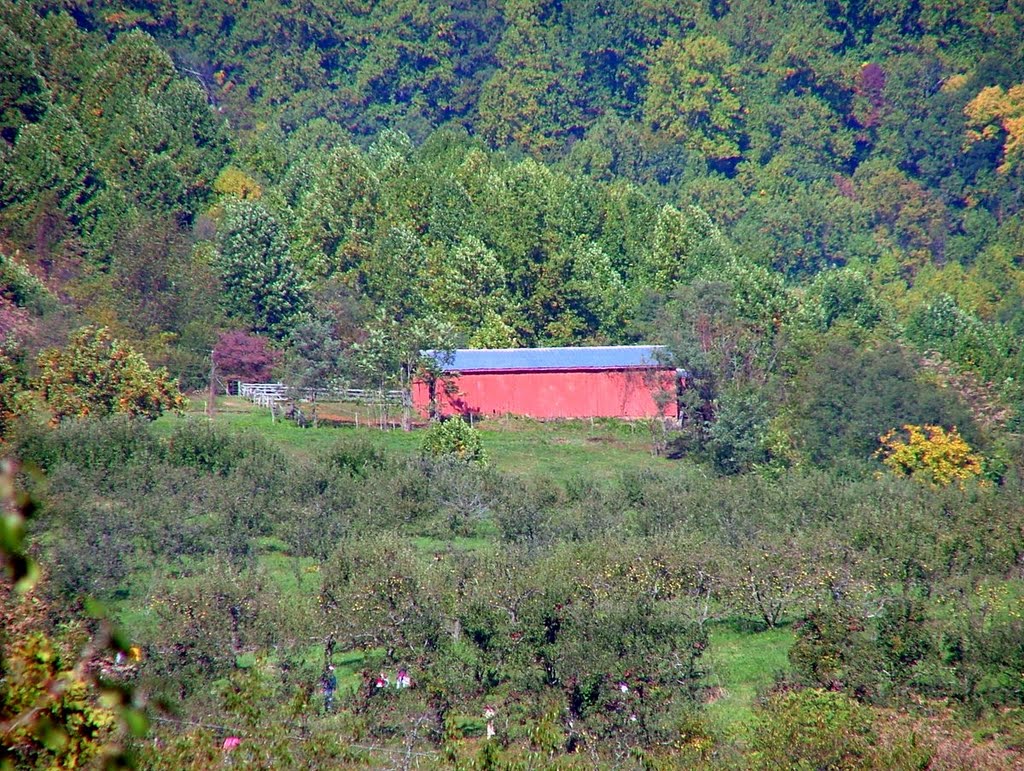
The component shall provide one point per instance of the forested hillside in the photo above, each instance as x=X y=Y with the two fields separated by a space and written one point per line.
x=816 y=207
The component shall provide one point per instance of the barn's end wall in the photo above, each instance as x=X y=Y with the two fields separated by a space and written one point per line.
x=610 y=393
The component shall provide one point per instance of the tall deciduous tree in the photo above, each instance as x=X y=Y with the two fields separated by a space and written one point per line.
x=683 y=244
x=466 y=287
x=533 y=98
x=337 y=218
x=692 y=96
x=719 y=350
x=578 y=296
x=260 y=281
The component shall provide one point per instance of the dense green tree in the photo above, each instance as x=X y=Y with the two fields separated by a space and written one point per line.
x=466 y=286
x=849 y=397
x=23 y=95
x=260 y=281
x=692 y=96
x=394 y=276
x=804 y=130
x=843 y=294
x=578 y=296
x=49 y=170
x=737 y=440
x=962 y=337
x=337 y=218
x=628 y=219
x=903 y=210
x=719 y=350
x=614 y=39
x=683 y=245
x=316 y=360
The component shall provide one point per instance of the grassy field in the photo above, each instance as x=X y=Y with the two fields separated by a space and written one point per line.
x=743 y=663
x=564 y=450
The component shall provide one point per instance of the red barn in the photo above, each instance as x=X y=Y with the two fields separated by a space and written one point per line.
x=607 y=381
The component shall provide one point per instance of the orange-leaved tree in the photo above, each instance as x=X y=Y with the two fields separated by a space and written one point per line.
x=97 y=375
x=930 y=454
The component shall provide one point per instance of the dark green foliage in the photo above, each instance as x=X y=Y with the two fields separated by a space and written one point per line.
x=736 y=440
x=23 y=96
x=318 y=359
x=103 y=444
x=48 y=172
x=260 y=281
x=903 y=636
x=833 y=651
x=203 y=447
x=532 y=100
x=727 y=358
x=848 y=398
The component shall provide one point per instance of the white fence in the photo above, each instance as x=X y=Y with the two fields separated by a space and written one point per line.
x=269 y=394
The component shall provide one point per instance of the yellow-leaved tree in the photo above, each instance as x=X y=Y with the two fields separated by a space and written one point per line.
x=995 y=109
x=930 y=454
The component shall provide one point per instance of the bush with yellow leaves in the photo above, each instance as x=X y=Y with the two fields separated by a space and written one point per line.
x=930 y=454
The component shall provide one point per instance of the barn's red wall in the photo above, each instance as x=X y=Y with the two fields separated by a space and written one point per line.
x=615 y=393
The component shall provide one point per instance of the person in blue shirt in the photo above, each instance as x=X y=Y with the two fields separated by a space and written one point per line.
x=330 y=685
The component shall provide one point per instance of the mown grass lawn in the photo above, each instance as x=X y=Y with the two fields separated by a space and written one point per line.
x=743 y=663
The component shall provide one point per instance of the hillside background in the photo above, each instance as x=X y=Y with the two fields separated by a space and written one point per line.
x=816 y=207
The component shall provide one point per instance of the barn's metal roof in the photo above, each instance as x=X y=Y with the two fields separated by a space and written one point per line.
x=594 y=357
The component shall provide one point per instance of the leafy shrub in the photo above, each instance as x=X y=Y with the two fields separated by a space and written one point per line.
x=19 y=286
x=107 y=443
x=813 y=728
x=454 y=437
x=357 y=458
x=96 y=375
x=200 y=445
x=832 y=651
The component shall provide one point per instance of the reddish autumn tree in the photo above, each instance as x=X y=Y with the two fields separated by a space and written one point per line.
x=239 y=355
x=870 y=94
